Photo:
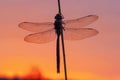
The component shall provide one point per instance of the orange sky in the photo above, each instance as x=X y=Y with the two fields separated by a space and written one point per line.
x=95 y=58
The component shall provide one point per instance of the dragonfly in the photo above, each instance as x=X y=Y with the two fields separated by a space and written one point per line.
x=49 y=31
x=72 y=29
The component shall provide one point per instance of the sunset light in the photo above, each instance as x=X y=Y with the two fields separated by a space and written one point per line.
x=93 y=55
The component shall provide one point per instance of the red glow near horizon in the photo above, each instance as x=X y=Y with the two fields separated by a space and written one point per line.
x=34 y=74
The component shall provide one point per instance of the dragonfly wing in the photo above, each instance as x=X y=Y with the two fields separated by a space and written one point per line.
x=78 y=34
x=41 y=37
x=36 y=27
x=80 y=22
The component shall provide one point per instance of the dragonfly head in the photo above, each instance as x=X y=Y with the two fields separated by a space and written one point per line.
x=58 y=16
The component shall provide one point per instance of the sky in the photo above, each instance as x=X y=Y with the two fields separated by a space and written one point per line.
x=95 y=58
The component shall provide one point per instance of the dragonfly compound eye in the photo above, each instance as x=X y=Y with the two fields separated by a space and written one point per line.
x=58 y=16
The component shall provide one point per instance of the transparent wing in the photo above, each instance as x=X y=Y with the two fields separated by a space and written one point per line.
x=41 y=37
x=80 y=22
x=78 y=34
x=36 y=27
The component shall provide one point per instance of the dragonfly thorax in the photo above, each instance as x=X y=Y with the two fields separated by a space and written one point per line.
x=58 y=23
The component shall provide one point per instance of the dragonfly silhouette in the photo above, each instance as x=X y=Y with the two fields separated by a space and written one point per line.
x=48 y=31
